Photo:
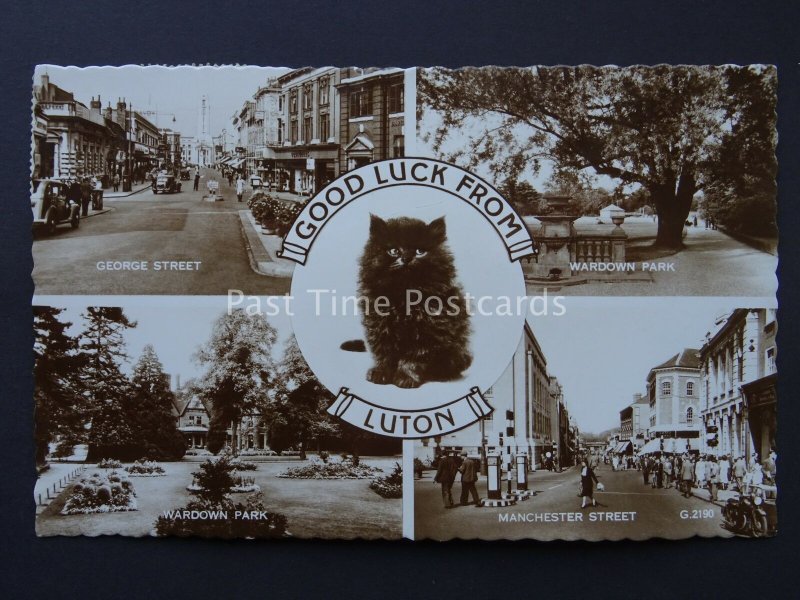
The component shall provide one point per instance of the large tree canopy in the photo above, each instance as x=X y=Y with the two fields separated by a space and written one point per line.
x=671 y=130
x=239 y=369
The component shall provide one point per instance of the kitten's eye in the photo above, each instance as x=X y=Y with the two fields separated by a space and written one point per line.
x=421 y=252
x=393 y=252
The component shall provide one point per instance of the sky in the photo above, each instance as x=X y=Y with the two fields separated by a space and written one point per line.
x=168 y=90
x=602 y=349
x=174 y=329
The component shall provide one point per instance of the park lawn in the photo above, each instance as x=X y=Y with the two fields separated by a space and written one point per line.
x=314 y=508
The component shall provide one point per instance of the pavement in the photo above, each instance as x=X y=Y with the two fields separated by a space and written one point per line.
x=710 y=264
x=203 y=244
x=627 y=509
x=264 y=249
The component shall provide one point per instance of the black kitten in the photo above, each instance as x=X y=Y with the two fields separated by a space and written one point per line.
x=411 y=344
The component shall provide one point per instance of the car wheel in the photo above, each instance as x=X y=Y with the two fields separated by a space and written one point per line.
x=75 y=221
x=51 y=224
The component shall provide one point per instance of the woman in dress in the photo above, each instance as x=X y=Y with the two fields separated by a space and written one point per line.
x=588 y=480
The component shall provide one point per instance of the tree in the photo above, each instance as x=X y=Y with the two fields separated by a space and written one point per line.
x=667 y=129
x=59 y=401
x=522 y=195
x=103 y=342
x=155 y=428
x=298 y=414
x=239 y=369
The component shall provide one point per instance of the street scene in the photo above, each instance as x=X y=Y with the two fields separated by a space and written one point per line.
x=228 y=437
x=137 y=189
x=632 y=181
x=641 y=429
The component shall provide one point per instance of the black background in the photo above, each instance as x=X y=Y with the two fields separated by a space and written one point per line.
x=300 y=32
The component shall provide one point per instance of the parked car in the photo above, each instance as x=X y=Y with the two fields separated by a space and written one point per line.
x=50 y=206
x=166 y=184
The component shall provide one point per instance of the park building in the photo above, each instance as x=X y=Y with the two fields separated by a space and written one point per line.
x=522 y=420
x=739 y=396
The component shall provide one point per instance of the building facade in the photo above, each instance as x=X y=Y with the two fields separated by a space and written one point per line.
x=673 y=393
x=522 y=421
x=634 y=421
x=739 y=368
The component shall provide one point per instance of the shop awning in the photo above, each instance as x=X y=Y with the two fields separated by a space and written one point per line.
x=236 y=163
x=226 y=160
x=651 y=447
x=671 y=446
x=622 y=447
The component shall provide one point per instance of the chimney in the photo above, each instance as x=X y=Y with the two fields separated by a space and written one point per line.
x=95 y=105
x=46 y=84
x=108 y=113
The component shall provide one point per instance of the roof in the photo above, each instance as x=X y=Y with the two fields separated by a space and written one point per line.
x=688 y=358
x=365 y=76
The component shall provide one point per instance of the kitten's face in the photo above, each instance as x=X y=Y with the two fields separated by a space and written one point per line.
x=406 y=246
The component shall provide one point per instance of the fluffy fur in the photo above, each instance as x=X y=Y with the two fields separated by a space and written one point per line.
x=410 y=346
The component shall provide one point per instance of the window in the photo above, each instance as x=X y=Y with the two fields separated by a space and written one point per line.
x=308 y=129
x=293 y=132
x=280 y=131
x=772 y=367
x=280 y=103
x=689 y=415
x=690 y=388
x=324 y=127
x=308 y=96
x=666 y=388
x=360 y=104
x=396 y=98
x=324 y=91
x=398 y=146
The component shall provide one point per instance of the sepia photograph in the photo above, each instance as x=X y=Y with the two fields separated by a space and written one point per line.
x=162 y=420
x=183 y=180
x=621 y=419
x=633 y=181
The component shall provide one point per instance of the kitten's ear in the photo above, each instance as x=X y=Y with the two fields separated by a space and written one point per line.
x=377 y=226
x=438 y=230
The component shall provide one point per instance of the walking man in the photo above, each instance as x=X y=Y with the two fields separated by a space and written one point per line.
x=196 y=179
x=469 y=475
x=239 y=188
x=446 y=475
x=712 y=471
x=687 y=475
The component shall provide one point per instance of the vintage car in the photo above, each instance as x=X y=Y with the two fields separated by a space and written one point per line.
x=166 y=184
x=50 y=205
x=185 y=174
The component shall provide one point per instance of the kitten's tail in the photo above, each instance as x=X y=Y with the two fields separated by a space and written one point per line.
x=354 y=346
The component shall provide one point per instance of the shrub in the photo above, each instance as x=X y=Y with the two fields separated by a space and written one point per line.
x=109 y=463
x=324 y=456
x=146 y=468
x=273 y=212
x=390 y=486
x=99 y=495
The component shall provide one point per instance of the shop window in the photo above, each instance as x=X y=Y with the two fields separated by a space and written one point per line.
x=666 y=388
x=324 y=91
x=308 y=129
x=360 y=102
x=324 y=127
x=398 y=146
x=396 y=102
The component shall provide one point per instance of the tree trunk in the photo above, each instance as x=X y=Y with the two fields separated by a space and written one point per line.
x=673 y=208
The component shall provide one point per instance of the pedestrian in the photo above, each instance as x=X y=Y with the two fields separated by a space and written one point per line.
x=239 y=188
x=446 y=475
x=469 y=475
x=739 y=471
x=588 y=480
x=724 y=472
x=700 y=472
x=646 y=470
x=687 y=473
x=712 y=470
x=769 y=467
x=86 y=196
x=197 y=179
x=115 y=182
x=97 y=193
x=667 y=472
x=694 y=221
x=659 y=482
x=230 y=178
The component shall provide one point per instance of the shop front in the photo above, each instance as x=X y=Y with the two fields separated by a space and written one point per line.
x=303 y=171
x=761 y=399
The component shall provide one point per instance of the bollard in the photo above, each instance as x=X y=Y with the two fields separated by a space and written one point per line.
x=40 y=500
x=48 y=493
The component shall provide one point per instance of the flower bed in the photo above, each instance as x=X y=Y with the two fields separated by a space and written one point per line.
x=240 y=485
x=272 y=213
x=390 y=486
x=145 y=468
x=243 y=465
x=109 y=463
x=101 y=494
x=332 y=469
x=256 y=452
